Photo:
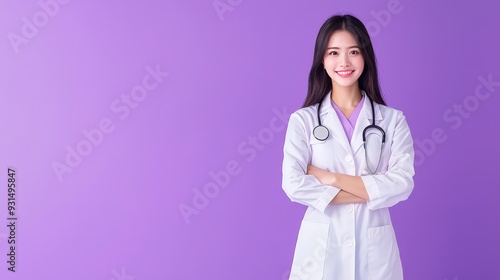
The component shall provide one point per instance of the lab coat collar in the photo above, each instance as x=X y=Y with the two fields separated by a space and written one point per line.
x=326 y=107
x=332 y=122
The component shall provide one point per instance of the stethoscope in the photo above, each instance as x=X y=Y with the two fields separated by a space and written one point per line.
x=321 y=133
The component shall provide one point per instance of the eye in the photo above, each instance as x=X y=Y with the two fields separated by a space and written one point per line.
x=354 y=52
x=332 y=53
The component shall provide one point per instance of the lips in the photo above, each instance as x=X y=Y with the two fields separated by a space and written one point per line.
x=345 y=74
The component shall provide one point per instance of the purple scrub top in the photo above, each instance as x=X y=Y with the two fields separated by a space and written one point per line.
x=349 y=123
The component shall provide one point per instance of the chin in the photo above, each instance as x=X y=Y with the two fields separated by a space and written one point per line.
x=345 y=83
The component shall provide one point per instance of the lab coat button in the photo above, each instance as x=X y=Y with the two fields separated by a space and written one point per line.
x=350 y=208
x=348 y=159
x=364 y=172
x=349 y=242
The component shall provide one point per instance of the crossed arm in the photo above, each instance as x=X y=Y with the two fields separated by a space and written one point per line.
x=352 y=188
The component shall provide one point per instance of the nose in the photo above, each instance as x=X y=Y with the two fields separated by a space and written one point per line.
x=344 y=60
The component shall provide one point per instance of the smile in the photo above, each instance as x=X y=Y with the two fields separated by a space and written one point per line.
x=344 y=74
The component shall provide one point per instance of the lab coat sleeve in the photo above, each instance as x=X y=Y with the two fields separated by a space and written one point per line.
x=300 y=187
x=396 y=184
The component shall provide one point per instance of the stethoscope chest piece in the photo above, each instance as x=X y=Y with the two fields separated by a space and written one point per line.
x=320 y=132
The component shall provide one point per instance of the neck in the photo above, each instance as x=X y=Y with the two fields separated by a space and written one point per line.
x=346 y=97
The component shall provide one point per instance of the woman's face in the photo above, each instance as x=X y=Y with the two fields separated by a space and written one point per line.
x=343 y=60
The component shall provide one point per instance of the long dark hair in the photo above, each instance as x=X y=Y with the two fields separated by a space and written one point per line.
x=319 y=81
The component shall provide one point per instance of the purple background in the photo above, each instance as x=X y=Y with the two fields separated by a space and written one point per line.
x=117 y=213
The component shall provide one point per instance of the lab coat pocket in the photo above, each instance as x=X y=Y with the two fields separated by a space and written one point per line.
x=320 y=150
x=383 y=254
x=313 y=140
x=310 y=251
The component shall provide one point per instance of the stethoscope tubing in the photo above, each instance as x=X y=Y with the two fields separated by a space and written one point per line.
x=321 y=133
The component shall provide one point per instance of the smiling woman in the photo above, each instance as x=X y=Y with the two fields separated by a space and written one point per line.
x=346 y=232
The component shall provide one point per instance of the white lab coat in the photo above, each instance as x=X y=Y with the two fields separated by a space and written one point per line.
x=347 y=241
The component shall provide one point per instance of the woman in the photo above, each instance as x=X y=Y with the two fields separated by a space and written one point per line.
x=348 y=184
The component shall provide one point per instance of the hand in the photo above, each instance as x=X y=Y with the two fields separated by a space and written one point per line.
x=322 y=175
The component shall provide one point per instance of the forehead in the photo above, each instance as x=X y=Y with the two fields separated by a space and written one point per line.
x=342 y=38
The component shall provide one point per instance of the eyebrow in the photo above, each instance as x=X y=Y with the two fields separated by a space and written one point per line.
x=337 y=48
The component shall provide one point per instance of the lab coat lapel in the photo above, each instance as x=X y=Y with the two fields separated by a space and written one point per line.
x=332 y=122
x=364 y=120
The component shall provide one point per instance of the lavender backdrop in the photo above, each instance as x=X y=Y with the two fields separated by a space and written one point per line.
x=117 y=115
